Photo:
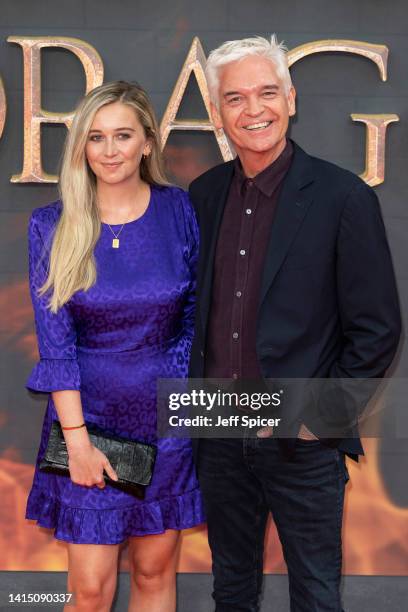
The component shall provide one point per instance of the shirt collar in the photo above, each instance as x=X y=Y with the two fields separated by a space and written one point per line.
x=266 y=180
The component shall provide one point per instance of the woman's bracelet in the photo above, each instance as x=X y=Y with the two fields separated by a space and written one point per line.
x=75 y=427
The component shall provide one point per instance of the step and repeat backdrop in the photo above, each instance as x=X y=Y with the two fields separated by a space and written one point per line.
x=349 y=66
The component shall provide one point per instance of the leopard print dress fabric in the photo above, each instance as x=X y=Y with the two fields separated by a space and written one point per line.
x=111 y=343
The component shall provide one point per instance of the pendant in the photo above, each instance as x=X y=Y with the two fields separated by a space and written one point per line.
x=115 y=243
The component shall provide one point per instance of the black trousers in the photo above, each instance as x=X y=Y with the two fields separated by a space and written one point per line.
x=242 y=480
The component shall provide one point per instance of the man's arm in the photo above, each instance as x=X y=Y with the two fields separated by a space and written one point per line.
x=366 y=288
x=369 y=316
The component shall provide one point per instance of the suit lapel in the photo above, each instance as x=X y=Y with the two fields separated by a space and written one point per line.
x=212 y=217
x=292 y=207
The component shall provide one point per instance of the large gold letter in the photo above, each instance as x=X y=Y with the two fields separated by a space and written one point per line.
x=376 y=124
x=3 y=107
x=375 y=145
x=34 y=115
x=195 y=62
x=376 y=53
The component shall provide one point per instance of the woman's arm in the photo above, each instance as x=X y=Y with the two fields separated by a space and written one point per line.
x=57 y=371
x=191 y=257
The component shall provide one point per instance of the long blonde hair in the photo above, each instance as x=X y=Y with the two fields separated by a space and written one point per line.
x=72 y=264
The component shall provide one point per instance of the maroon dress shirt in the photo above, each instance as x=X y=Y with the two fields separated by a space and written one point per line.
x=241 y=247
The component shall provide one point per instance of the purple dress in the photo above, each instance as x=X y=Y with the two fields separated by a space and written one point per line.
x=111 y=343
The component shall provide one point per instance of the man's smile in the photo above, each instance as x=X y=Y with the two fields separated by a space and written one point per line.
x=257 y=126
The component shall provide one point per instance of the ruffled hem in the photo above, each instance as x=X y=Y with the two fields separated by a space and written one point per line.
x=55 y=375
x=114 y=525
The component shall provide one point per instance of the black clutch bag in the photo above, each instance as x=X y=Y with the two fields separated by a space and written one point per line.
x=132 y=461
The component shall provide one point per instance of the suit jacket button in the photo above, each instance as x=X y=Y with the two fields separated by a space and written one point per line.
x=202 y=353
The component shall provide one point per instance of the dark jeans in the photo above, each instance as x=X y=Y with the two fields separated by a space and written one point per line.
x=242 y=480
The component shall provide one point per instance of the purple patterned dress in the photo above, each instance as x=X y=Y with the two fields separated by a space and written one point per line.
x=111 y=343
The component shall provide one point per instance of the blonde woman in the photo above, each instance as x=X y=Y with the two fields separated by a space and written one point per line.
x=112 y=267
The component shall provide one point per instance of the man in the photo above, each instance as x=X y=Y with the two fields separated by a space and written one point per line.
x=294 y=281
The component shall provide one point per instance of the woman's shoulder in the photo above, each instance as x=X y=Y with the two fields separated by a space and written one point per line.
x=179 y=208
x=171 y=193
x=43 y=222
x=175 y=198
x=47 y=215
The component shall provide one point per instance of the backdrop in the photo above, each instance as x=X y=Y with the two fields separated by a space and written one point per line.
x=148 y=42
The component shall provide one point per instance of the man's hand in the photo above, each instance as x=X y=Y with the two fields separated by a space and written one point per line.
x=265 y=432
x=305 y=434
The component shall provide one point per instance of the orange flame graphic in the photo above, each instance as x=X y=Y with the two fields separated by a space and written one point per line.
x=375 y=530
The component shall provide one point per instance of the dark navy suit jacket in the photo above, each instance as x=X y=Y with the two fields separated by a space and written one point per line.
x=328 y=304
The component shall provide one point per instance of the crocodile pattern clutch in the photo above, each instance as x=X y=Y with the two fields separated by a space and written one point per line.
x=132 y=461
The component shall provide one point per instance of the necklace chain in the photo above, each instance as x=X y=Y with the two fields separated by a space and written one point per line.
x=119 y=232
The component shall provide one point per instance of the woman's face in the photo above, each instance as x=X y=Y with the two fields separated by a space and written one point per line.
x=116 y=143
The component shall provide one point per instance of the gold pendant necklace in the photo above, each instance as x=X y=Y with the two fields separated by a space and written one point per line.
x=115 y=240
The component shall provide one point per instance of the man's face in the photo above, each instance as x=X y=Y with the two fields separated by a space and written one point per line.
x=254 y=109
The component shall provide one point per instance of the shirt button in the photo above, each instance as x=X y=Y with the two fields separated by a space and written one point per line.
x=235 y=335
x=250 y=183
x=235 y=376
x=248 y=211
x=242 y=252
x=238 y=293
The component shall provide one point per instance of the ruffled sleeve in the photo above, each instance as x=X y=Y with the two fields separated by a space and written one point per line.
x=57 y=369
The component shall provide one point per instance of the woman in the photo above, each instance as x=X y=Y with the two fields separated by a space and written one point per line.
x=112 y=284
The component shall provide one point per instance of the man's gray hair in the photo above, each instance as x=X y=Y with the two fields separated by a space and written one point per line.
x=234 y=50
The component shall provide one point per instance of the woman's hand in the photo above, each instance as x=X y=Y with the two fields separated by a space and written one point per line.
x=87 y=463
